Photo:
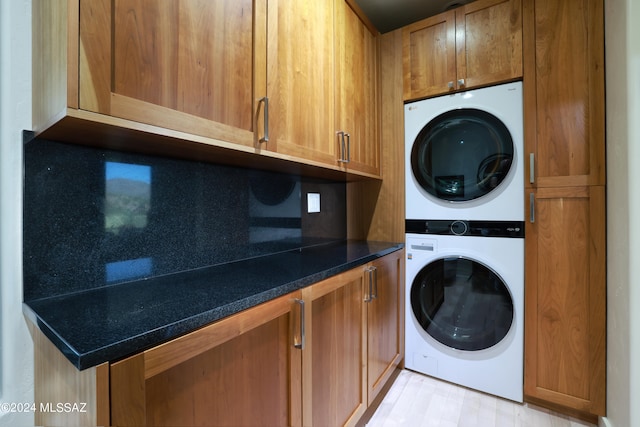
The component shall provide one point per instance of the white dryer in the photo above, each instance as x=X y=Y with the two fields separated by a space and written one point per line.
x=464 y=155
x=465 y=303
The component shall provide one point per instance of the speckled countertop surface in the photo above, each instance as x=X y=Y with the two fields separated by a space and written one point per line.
x=112 y=322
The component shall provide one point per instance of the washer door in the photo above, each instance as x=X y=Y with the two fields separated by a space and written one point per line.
x=462 y=303
x=462 y=155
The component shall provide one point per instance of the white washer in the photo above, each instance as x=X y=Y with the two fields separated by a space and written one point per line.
x=464 y=155
x=465 y=304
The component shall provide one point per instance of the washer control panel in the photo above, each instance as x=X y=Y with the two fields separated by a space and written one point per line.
x=465 y=228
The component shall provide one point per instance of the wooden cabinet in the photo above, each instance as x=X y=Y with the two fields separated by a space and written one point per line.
x=192 y=78
x=565 y=311
x=242 y=370
x=335 y=351
x=355 y=342
x=317 y=356
x=565 y=320
x=300 y=83
x=564 y=92
x=184 y=65
x=477 y=44
x=385 y=321
x=355 y=92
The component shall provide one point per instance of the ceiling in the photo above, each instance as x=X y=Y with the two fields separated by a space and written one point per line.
x=388 y=15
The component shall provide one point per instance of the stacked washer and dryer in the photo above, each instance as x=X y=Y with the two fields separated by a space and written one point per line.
x=465 y=239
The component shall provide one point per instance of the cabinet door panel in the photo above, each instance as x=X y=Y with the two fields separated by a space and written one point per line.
x=242 y=382
x=565 y=344
x=333 y=360
x=241 y=370
x=566 y=66
x=356 y=88
x=384 y=323
x=429 y=56
x=489 y=42
x=300 y=83
x=194 y=57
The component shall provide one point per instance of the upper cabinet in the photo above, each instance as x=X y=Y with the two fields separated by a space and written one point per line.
x=477 y=44
x=564 y=93
x=356 y=130
x=300 y=83
x=277 y=78
x=184 y=65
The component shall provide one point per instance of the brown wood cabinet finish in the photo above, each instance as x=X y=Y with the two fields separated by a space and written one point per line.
x=242 y=370
x=333 y=376
x=564 y=92
x=385 y=322
x=565 y=318
x=565 y=322
x=474 y=45
x=356 y=94
x=186 y=66
x=192 y=79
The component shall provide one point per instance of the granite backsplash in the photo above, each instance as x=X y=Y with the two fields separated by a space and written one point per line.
x=96 y=217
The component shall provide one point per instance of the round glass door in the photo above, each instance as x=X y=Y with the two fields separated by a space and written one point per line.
x=462 y=303
x=462 y=155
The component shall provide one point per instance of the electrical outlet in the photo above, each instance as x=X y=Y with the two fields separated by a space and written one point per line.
x=313 y=202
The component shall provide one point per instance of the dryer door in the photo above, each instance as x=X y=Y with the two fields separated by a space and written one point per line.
x=462 y=155
x=462 y=303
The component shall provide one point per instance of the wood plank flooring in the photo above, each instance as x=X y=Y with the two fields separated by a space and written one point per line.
x=418 y=400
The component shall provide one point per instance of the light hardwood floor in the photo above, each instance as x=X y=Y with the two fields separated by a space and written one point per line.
x=418 y=400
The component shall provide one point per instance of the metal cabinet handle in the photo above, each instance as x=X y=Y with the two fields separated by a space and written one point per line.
x=348 y=158
x=265 y=138
x=373 y=284
x=532 y=208
x=299 y=344
x=450 y=85
x=460 y=82
x=342 y=145
x=345 y=147
x=532 y=169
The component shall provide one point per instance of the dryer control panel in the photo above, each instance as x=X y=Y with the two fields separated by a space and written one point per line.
x=457 y=227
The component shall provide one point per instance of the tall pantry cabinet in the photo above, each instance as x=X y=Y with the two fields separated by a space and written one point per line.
x=565 y=319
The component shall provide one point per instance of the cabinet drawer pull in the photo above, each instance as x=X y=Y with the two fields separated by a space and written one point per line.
x=299 y=343
x=461 y=82
x=450 y=85
x=265 y=138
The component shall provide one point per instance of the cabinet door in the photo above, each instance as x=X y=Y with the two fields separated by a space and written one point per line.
x=184 y=65
x=355 y=98
x=242 y=370
x=334 y=356
x=429 y=56
x=300 y=83
x=565 y=323
x=385 y=334
x=564 y=92
x=488 y=42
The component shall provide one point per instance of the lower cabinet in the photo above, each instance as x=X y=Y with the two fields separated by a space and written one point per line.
x=242 y=370
x=318 y=356
x=565 y=313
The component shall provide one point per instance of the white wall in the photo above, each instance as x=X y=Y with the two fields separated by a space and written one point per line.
x=623 y=212
x=16 y=350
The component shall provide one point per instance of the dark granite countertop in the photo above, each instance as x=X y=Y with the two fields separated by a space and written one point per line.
x=109 y=323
